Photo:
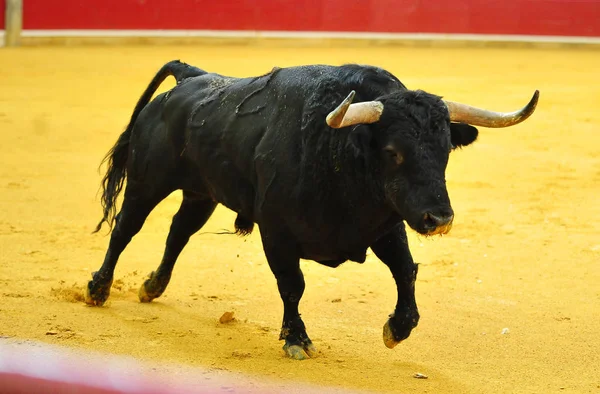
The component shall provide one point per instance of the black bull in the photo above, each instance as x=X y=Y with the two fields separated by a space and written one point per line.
x=324 y=188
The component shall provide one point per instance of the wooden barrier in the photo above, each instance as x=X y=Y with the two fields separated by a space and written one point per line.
x=320 y=22
x=14 y=22
x=579 y=18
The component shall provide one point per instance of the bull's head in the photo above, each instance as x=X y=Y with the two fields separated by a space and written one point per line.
x=412 y=134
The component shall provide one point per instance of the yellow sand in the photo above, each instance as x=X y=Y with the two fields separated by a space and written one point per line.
x=524 y=253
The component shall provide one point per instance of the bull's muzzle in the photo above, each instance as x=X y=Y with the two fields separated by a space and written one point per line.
x=437 y=224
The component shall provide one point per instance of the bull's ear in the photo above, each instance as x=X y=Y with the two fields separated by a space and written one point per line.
x=462 y=134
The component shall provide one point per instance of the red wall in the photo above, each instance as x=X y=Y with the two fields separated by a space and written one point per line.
x=536 y=17
x=2 y=9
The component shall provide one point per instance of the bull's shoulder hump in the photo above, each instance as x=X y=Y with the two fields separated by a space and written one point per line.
x=368 y=81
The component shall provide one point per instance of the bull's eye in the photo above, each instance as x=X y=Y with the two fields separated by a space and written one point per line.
x=395 y=156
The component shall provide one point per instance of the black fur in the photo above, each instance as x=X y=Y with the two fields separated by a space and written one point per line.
x=243 y=226
x=261 y=147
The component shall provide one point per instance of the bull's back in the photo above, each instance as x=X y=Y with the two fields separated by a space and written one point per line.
x=236 y=137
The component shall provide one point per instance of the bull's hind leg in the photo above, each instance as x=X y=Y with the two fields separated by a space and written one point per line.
x=136 y=208
x=192 y=215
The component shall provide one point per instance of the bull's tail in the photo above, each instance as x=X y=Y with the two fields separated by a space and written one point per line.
x=114 y=179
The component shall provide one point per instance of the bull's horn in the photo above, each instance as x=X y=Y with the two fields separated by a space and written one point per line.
x=464 y=113
x=348 y=114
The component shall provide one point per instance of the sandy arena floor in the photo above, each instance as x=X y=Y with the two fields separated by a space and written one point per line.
x=523 y=256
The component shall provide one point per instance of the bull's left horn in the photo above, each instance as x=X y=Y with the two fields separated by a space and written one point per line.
x=464 y=113
x=348 y=114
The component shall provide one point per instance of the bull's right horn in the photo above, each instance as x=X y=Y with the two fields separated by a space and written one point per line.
x=348 y=114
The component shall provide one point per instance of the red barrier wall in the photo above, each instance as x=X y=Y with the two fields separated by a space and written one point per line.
x=2 y=10
x=529 y=17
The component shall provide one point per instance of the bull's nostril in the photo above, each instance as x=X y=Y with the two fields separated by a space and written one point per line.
x=433 y=221
x=430 y=220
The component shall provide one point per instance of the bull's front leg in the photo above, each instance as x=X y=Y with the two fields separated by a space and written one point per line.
x=284 y=262
x=393 y=250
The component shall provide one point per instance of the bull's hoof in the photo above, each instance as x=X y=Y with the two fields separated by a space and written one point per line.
x=150 y=289
x=95 y=295
x=300 y=352
x=398 y=327
x=143 y=294
x=388 y=337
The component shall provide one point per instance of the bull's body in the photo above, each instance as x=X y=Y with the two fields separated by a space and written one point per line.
x=260 y=146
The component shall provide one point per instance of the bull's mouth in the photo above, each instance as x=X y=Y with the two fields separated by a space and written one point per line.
x=440 y=230
x=431 y=225
x=429 y=222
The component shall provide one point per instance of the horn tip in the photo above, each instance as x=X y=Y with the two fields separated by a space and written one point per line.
x=534 y=100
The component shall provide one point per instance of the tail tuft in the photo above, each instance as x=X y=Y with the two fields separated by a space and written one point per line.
x=114 y=179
